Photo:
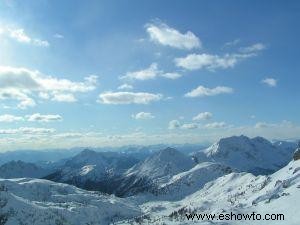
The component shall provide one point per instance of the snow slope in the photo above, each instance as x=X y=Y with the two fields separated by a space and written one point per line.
x=41 y=202
x=18 y=169
x=146 y=176
x=188 y=182
x=256 y=155
x=237 y=193
x=162 y=165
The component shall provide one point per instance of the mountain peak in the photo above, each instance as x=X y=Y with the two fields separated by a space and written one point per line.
x=256 y=155
x=166 y=162
x=169 y=152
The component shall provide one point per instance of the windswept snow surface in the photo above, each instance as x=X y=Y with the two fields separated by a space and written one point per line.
x=41 y=202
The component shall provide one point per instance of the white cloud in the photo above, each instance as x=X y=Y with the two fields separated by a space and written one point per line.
x=210 y=62
x=19 y=35
x=253 y=48
x=143 y=116
x=189 y=126
x=128 y=97
x=21 y=83
x=28 y=130
x=202 y=91
x=7 y=118
x=215 y=125
x=41 y=43
x=172 y=76
x=271 y=82
x=173 y=124
x=15 y=94
x=61 y=97
x=262 y=125
x=231 y=43
x=203 y=116
x=125 y=87
x=149 y=73
x=146 y=74
x=58 y=36
x=37 y=117
x=34 y=130
x=275 y=126
x=163 y=34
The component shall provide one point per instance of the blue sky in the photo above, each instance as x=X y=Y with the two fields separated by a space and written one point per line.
x=99 y=73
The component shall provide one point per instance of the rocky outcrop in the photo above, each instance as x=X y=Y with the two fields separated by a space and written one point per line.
x=297 y=153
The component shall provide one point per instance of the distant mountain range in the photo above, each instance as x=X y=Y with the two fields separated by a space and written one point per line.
x=236 y=174
x=18 y=169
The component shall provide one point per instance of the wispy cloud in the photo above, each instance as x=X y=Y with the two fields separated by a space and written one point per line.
x=163 y=34
x=210 y=62
x=231 y=43
x=28 y=130
x=125 y=87
x=37 y=117
x=172 y=76
x=58 y=36
x=63 y=97
x=19 y=35
x=271 y=82
x=213 y=62
x=203 y=116
x=253 y=48
x=215 y=125
x=149 y=73
x=117 y=98
x=173 y=124
x=143 y=116
x=189 y=126
x=7 y=118
x=202 y=91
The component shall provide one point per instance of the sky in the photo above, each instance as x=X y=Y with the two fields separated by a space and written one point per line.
x=111 y=73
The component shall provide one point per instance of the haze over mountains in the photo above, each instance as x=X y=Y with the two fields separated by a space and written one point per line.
x=234 y=174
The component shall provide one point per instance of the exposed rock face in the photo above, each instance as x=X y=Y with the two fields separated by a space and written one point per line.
x=297 y=153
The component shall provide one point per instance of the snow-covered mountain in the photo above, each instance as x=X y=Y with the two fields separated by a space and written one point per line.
x=91 y=170
x=236 y=193
x=162 y=164
x=18 y=169
x=155 y=170
x=41 y=202
x=35 y=156
x=256 y=155
x=162 y=188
